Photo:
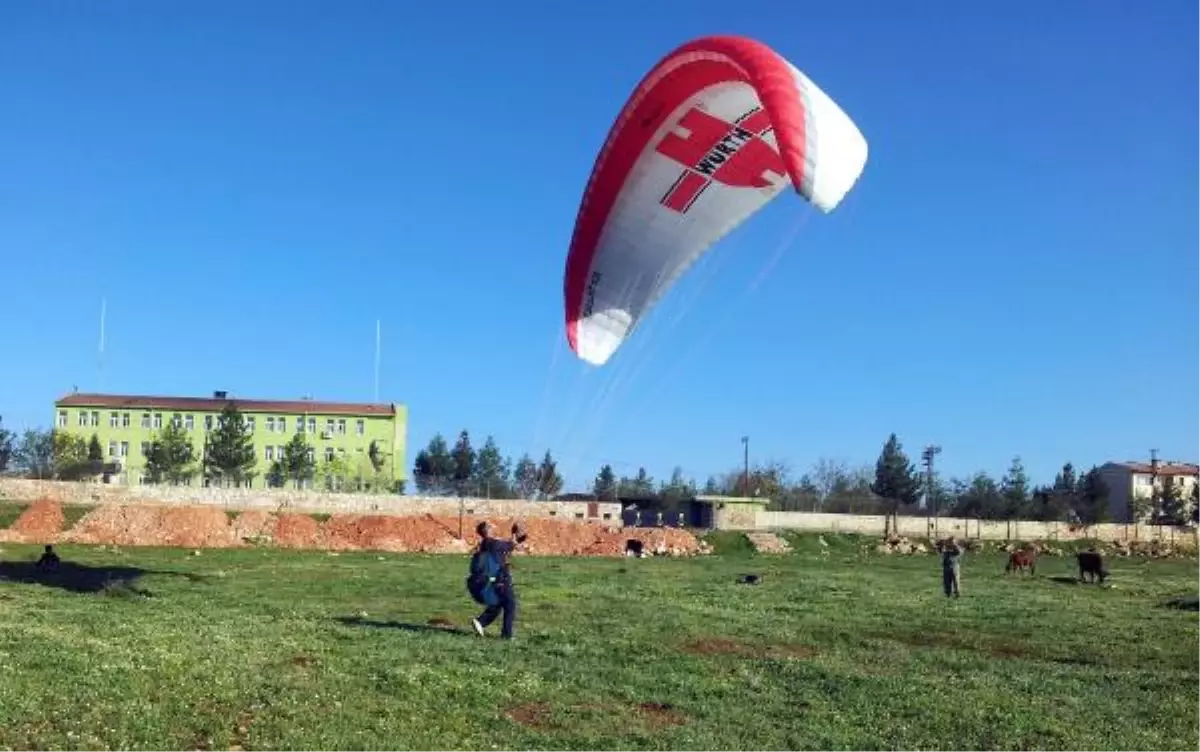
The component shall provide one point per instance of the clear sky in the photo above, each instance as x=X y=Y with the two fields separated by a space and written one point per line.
x=252 y=185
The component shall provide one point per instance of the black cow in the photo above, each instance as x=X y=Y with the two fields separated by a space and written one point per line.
x=1091 y=563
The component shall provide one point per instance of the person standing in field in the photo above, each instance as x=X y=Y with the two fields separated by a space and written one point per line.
x=490 y=579
x=951 y=574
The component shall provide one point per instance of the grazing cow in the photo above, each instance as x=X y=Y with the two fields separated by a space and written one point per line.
x=1022 y=559
x=1091 y=563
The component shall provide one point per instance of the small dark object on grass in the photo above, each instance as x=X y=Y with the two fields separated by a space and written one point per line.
x=634 y=547
x=1184 y=603
x=748 y=579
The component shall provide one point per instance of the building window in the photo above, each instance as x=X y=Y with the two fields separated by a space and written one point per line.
x=145 y=420
x=270 y=453
x=124 y=420
x=124 y=448
x=145 y=448
x=95 y=419
x=312 y=425
x=329 y=454
x=281 y=426
x=83 y=418
x=270 y=424
x=114 y=420
x=208 y=422
x=341 y=425
x=329 y=425
x=157 y=421
x=250 y=426
x=360 y=427
x=189 y=422
x=62 y=418
x=311 y=455
x=112 y=449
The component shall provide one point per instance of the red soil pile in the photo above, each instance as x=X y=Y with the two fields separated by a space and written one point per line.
x=193 y=527
x=41 y=522
x=294 y=530
x=376 y=532
x=204 y=527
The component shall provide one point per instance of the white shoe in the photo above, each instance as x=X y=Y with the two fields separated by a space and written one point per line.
x=478 y=627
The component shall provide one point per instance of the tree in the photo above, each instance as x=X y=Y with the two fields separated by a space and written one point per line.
x=1015 y=490
x=712 y=487
x=1172 y=507
x=229 y=449
x=979 y=498
x=298 y=463
x=433 y=468
x=828 y=476
x=7 y=446
x=491 y=476
x=525 y=477
x=95 y=452
x=171 y=456
x=1092 y=498
x=35 y=454
x=276 y=475
x=677 y=489
x=605 y=485
x=550 y=482
x=1066 y=492
x=71 y=457
x=337 y=472
x=896 y=479
x=463 y=463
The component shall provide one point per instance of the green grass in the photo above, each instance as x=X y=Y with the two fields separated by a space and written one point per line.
x=269 y=649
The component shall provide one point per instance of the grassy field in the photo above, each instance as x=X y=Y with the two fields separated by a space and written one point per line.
x=265 y=649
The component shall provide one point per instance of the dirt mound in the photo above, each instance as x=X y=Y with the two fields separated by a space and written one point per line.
x=768 y=543
x=377 y=532
x=41 y=522
x=211 y=527
x=191 y=527
x=294 y=530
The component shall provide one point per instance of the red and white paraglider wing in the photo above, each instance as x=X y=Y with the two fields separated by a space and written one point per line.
x=716 y=130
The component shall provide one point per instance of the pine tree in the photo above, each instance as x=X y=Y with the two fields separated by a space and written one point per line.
x=549 y=481
x=7 y=446
x=95 y=452
x=171 y=456
x=1092 y=498
x=229 y=450
x=1015 y=490
x=525 y=477
x=298 y=463
x=491 y=473
x=463 y=463
x=605 y=485
x=433 y=469
x=896 y=479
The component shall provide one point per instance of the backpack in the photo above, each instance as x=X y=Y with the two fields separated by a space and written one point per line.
x=483 y=576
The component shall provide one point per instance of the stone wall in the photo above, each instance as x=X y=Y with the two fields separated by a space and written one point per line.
x=19 y=489
x=923 y=527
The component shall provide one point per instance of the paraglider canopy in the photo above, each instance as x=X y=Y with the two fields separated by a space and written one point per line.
x=709 y=136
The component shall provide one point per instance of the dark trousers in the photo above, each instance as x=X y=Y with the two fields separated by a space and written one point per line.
x=950 y=579
x=507 y=604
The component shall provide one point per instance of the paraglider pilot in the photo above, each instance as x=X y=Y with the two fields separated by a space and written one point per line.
x=490 y=579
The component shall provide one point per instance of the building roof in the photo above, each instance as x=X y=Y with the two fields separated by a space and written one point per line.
x=1164 y=468
x=216 y=404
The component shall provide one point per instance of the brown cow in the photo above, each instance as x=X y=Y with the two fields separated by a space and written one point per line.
x=1022 y=559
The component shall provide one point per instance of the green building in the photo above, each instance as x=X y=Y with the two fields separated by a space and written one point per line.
x=126 y=424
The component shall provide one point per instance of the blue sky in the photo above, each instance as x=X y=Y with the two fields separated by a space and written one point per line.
x=252 y=185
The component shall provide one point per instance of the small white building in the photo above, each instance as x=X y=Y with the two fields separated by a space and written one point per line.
x=1128 y=481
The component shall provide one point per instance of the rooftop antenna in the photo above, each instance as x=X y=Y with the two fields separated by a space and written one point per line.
x=376 y=361
x=100 y=359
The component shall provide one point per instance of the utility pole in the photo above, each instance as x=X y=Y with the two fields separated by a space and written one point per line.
x=746 y=466
x=1155 y=496
x=927 y=456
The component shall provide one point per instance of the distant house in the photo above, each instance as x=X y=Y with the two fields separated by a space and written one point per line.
x=1129 y=481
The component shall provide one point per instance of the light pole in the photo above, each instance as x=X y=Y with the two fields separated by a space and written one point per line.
x=746 y=466
x=927 y=458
